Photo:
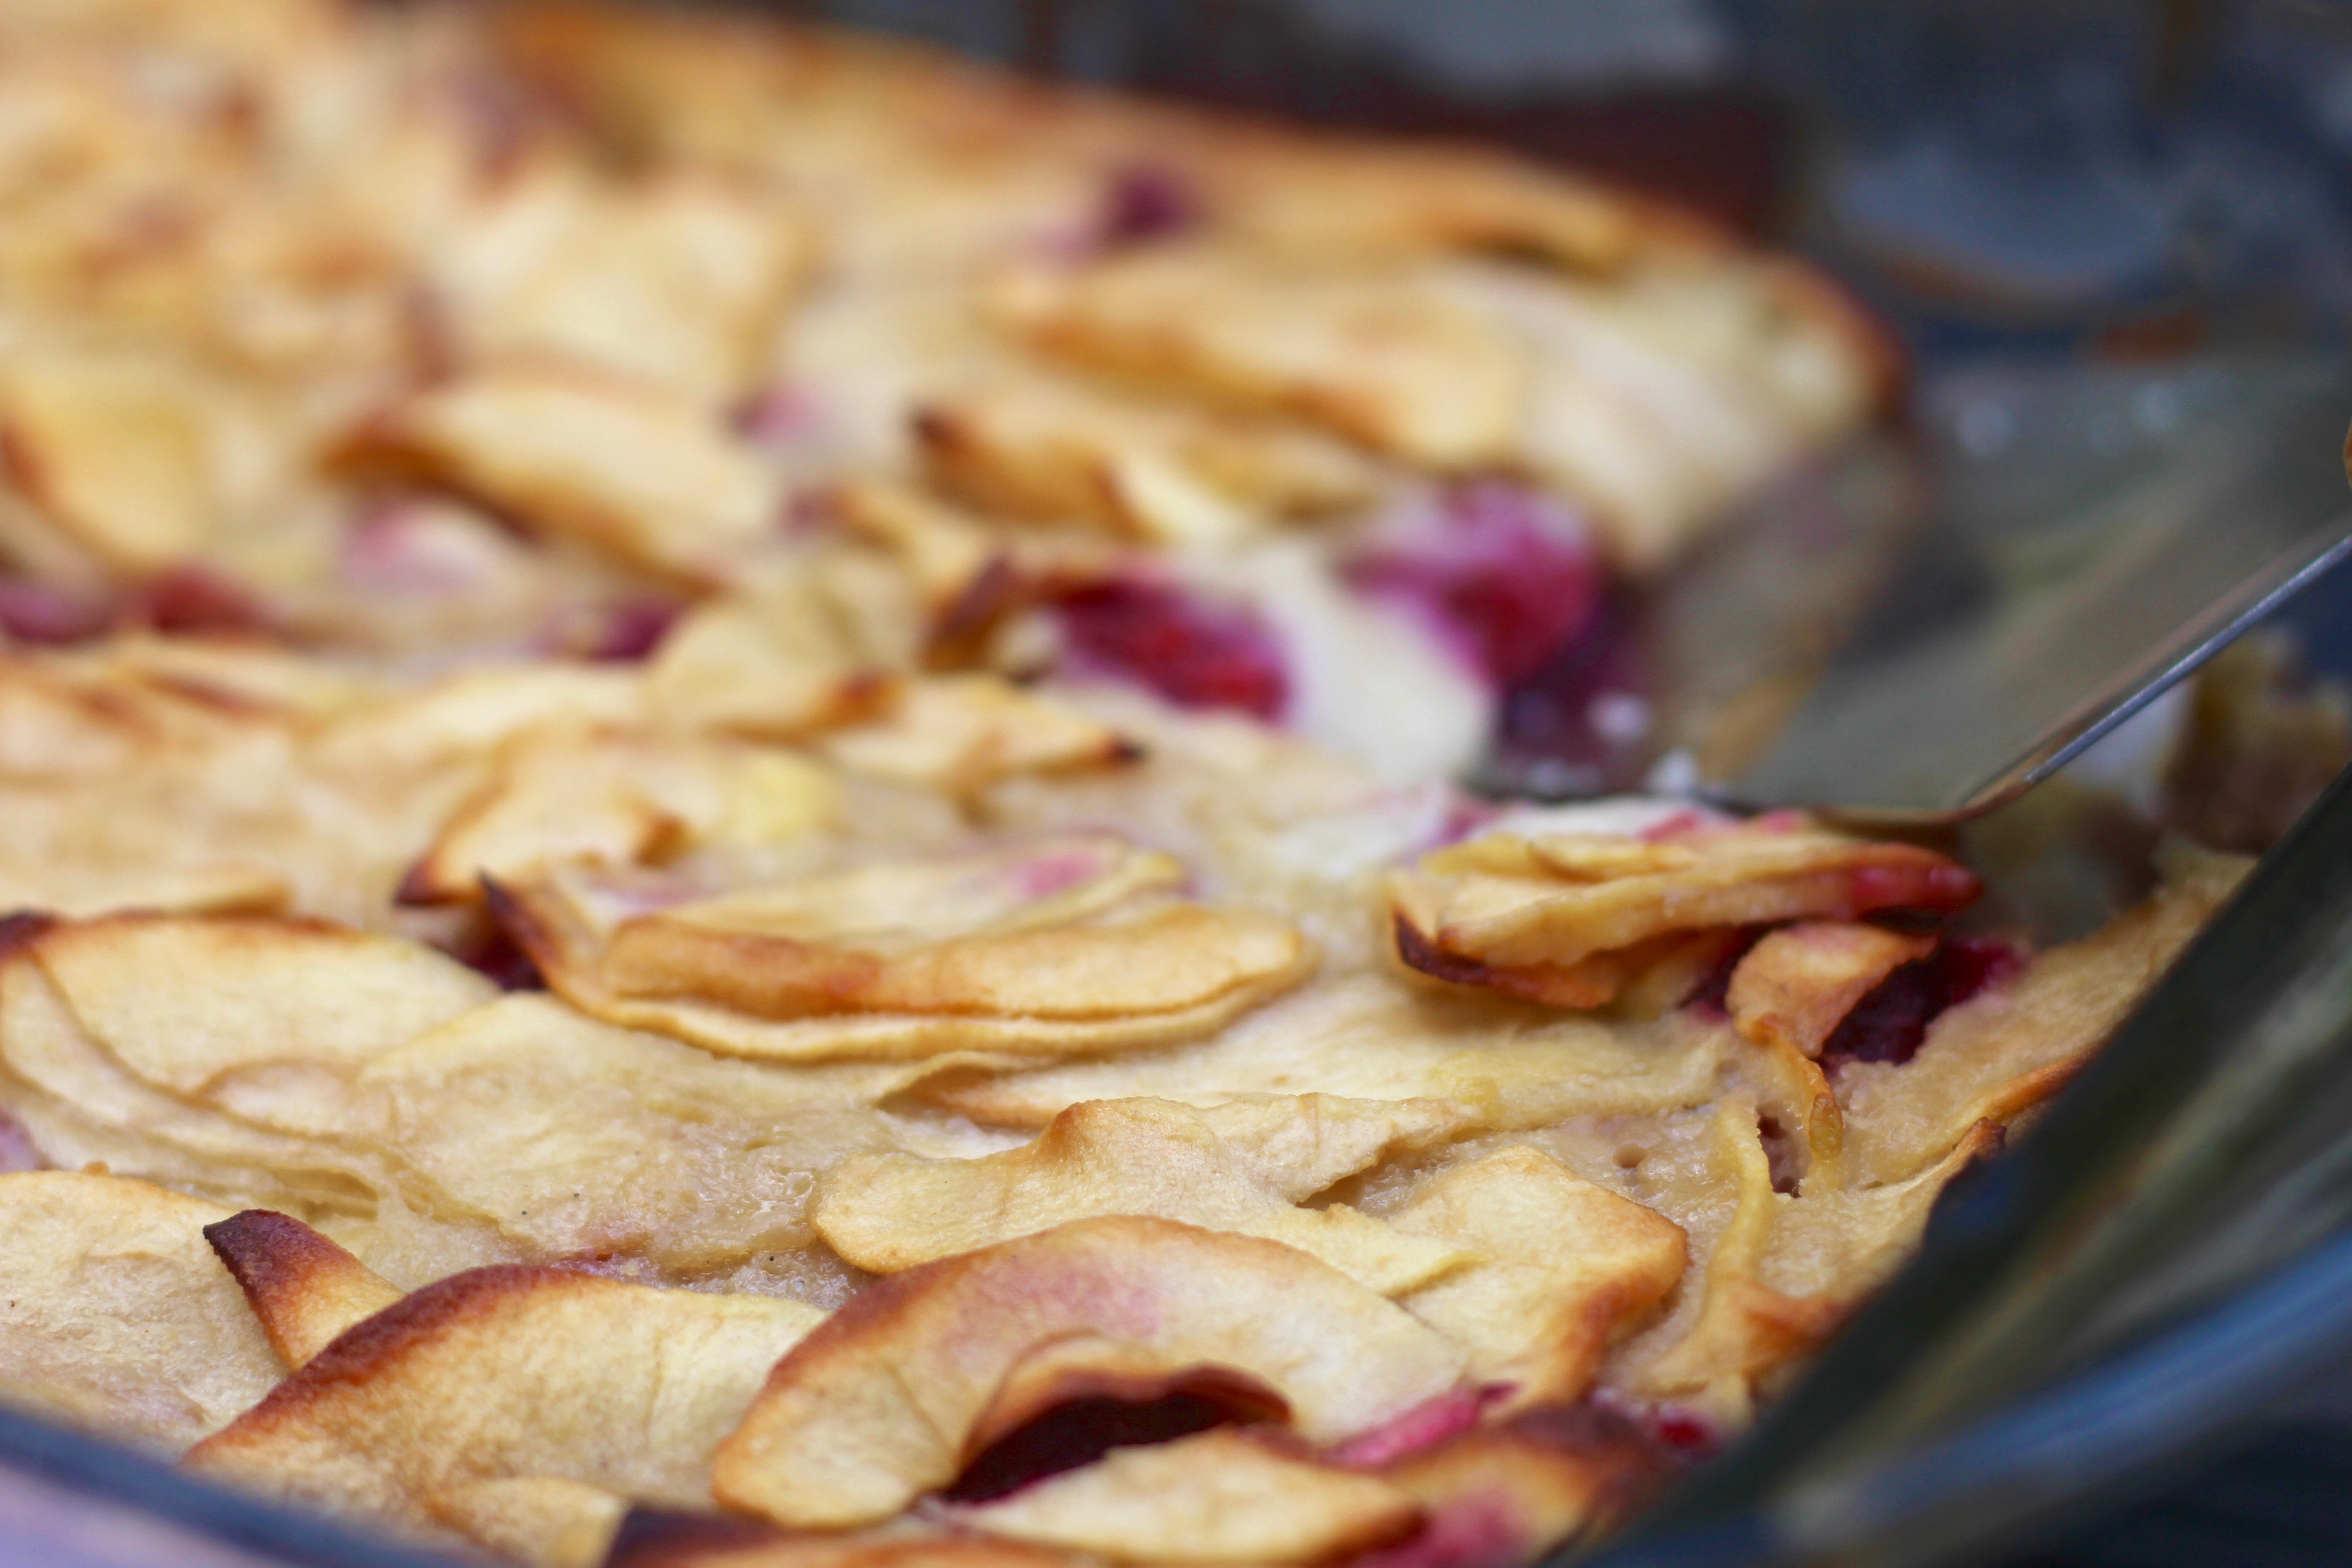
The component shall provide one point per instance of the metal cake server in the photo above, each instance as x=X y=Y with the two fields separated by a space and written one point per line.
x=2095 y=536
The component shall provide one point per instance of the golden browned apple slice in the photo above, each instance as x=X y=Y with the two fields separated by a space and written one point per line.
x=510 y=1371
x=122 y=452
x=805 y=644
x=624 y=468
x=890 y=1211
x=1568 y=918
x=1220 y=1495
x=563 y=1137
x=1379 y=201
x=1788 y=994
x=304 y=1290
x=1567 y=1269
x=1745 y=1330
x=1050 y=949
x=1364 y=1036
x=1035 y=448
x=1509 y=1491
x=678 y=280
x=115 y=1317
x=1796 y=985
x=1386 y=359
x=263 y=1019
x=879 y=1406
x=560 y=795
x=474 y=712
x=545 y=1521
x=959 y=733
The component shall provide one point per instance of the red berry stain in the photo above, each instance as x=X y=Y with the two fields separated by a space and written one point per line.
x=1143 y=202
x=42 y=613
x=632 y=630
x=1887 y=1025
x=1193 y=653
x=191 y=600
x=1505 y=573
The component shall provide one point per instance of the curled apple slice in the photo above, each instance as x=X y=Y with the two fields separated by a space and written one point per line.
x=1789 y=994
x=639 y=473
x=1391 y=359
x=1029 y=446
x=960 y=732
x=1069 y=946
x=1220 y=1495
x=1573 y=919
x=880 y=1405
x=305 y=1290
x=508 y=1372
x=890 y=1212
x=1568 y=1270
x=558 y=795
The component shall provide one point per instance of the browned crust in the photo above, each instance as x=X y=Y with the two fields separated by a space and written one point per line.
x=306 y=1291
x=375 y=1346
x=21 y=931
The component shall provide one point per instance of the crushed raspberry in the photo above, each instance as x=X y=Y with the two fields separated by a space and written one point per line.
x=1553 y=728
x=1502 y=572
x=1193 y=653
x=1080 y=1431
x=191 y=600
x=1887 y=1025
x=780 y=417
x=493 y=953
x=1142 y=202
x=1711 y=997
x=633 y=630
x=42 y=613
x=1682 y=1434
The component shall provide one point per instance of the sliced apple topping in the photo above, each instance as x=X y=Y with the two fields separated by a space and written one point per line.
x=1067 y=946
x=124 y=454
x=303 y=1288
x=812 y=642
x=1511 y=1490
x=881 y=1404
x=559 y=794
x=1220 y=1496
x=676 y=280
x=1745 y=1330
x=114 y=1315
x=626 y=469
x=1388 y=359
x=1567 y=1269
x=959 y=733
x=1796 y=985
x=890 y=1211
x=542 y=1521
x=1573 y=919
x=510 y=1371
x=1032 y=449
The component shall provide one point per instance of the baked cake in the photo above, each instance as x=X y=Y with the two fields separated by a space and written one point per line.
x=725 y=766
